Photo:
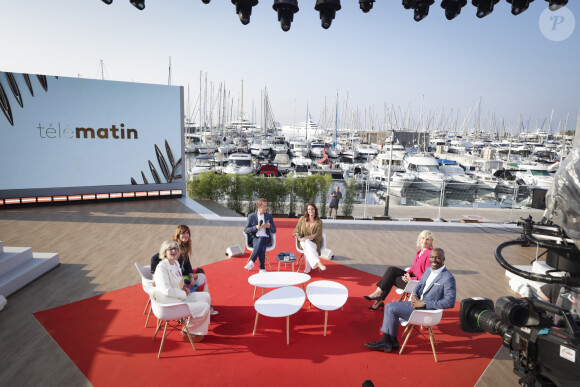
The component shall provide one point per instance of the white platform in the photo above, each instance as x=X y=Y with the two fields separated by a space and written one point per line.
x=19 y=266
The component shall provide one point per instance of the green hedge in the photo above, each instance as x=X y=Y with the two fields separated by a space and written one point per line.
x=240 y=192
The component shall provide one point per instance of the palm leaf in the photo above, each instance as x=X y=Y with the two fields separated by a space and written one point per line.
x=14 y=88
x=43 y=82
x=28 y=83
x=5 y=105
x=169 y=154
x=162 y=163
x=154 y=173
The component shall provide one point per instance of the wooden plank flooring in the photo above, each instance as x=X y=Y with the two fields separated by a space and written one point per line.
x=98 y=244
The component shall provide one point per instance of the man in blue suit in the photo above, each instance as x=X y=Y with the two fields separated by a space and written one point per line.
x=436 y=290
x=259 y=228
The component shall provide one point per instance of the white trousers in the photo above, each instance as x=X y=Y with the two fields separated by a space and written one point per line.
x=310 y=253
x=199 y=305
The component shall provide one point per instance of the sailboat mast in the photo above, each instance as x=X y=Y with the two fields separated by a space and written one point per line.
x=242 y=116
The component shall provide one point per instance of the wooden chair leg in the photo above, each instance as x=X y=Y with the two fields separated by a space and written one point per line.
x=431 y=339
x=269 y=264
x=147 y=306
x=159 y=322
x=190 y=340
x=162 y=340
x=255 y=324
x=148 y=315
x=406 y=338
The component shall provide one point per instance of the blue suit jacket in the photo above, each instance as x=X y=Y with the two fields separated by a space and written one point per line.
x=441 y=292
x=251 y=231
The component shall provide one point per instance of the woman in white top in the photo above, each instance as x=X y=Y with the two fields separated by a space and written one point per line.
x=169 y=289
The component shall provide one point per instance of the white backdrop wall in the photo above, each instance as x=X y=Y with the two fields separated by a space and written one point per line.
x=82 y=135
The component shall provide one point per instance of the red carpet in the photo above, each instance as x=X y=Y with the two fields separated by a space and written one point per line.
x=106 y=338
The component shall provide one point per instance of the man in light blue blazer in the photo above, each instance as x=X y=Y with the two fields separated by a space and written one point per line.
x=436 y=290
x=259 y=227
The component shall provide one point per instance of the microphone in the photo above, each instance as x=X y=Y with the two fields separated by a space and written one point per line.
x=260 y=224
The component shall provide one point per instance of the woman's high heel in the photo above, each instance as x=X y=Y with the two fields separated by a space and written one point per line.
x=381 y=305
x=372 y=298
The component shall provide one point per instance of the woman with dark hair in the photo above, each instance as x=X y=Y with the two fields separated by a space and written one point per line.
x=194 y=278
x=309 y=234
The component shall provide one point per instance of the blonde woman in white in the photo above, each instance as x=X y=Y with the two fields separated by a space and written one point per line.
x=169 y=289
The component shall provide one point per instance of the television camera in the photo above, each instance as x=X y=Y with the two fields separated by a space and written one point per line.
x=543 y=338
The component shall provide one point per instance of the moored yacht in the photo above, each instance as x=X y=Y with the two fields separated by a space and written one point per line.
x=426 y=169
x=240 y=163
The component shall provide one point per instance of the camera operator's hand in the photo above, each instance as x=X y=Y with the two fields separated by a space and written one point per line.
x=416 y=302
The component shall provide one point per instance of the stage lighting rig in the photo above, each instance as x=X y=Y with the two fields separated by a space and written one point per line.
x=286 y=10
x=421 y=8
x=366 y=5
x=327 y=9
x=555 y=5
x=139 y=4
x=452 y=8
x=108 y=2
x=244 y=9
x=519 y=6
x=205 y=1
x=484 y=7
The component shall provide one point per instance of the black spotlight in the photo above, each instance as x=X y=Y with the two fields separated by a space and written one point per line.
x=366 y=5
x=244 y=9
x=555 y=5
x=139 y=4
x=286 y=10
x=327 y=9
x=452 y=7
x=519 y=6
x=409 y=4
x=205 y=1
x=422 y=9
x=484 y=7
x=108 y=2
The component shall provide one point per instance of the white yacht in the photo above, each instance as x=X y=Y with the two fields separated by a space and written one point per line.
x=302 y=161
x=366 y=151
x=201 y=163
x=240 y=163
x=457 y=179
x=282 y=160
x=299 y=148
x=485 y=180
x=535 y=176
x=426 y=169
x=317 y=149
x=279 y=146
x=261 y=146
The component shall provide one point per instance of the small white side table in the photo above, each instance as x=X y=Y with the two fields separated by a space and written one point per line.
x=281 y=302
x=326 y=295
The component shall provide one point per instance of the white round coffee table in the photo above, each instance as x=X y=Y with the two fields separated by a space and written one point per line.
x=281 y=302
x=277 y=279
x=326 y=295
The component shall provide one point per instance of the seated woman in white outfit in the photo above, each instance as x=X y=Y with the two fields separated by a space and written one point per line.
x=309 y=233
x=169 y=289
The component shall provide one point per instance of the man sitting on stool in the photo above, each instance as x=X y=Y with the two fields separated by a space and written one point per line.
x=259 y=227
x=436 y=290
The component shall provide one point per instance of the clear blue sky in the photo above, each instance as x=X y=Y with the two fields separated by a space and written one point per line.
x=382 y=57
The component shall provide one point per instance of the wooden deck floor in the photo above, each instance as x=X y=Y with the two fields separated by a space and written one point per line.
x=98 y=244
